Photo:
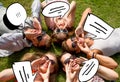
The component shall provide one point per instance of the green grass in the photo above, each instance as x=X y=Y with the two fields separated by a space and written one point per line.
x=108 y=10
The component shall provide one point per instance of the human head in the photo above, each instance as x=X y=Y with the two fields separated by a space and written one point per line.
x=67 y=58
x=42 y=60
x=60 y=34
x=70 y=44
x=43 y=40
x=54 y=66
x=38 y=40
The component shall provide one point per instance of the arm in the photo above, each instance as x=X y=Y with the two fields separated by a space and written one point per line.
x=6 y=75
x=103 y=60
x=36 y=14
x=70 y=76
x=82 y=21
x=107 y=73
x=72 y=9
x=46 y=75
x=7 y=38
x=36 y=8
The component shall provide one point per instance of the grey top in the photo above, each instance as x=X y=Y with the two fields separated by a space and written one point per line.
x=35 y=13
x=12 y=40
x=109 y=46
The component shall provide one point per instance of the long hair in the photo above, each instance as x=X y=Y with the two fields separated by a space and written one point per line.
x=32 y=56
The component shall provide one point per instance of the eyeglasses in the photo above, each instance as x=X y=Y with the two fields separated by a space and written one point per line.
x=68 y=59
x=61 y=30
x=52 y=61
x=74 y=43
x=39 y=38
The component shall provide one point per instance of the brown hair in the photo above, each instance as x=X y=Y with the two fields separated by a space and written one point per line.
x=58 y=37
x=36 y=55
x=48 y=42
x=65 y=46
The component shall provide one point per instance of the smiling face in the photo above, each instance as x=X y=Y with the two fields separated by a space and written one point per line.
x=71 y=44
x=67 y=58
x=48 y=58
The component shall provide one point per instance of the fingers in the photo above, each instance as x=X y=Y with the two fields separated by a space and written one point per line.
x=48 y=70
x=80 y=45
x=37 y=25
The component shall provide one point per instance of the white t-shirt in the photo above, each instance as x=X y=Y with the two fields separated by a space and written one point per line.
x=109 y=46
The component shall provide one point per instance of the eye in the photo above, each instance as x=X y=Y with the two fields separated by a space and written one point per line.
x=74 y=45
x=65 y=31
x=58 y=30
x=39 y=38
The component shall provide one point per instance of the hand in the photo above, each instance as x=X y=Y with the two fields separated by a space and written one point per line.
x=36 y=64
x=37 y=25
x=80 y=60
x=79 y=32
x=46 y=75
x=70 y=75
x=30 y=33
x=84 y=48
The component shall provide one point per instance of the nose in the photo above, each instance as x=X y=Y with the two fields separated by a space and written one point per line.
x=47 y=61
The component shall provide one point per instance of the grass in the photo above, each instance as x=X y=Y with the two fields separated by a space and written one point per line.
x=108 y=10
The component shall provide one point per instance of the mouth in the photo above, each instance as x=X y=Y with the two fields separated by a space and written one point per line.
x=74 y=65
x=45 y=65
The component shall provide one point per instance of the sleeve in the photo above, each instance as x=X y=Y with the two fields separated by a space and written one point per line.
x=36 y=8
x=6 y=38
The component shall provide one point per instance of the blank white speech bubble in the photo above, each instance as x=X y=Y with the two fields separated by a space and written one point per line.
x=97 y=27
x=88 y=70
x=57 y=8
x=16 y=14
x=23 y=71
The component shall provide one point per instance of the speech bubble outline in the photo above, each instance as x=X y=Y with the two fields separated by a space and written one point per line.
x=97 y=27
x=56 y=8
x=88 y=70
x=16 y=14
x=23 y=71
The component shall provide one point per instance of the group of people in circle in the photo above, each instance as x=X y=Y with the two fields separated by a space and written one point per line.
x=46 y=65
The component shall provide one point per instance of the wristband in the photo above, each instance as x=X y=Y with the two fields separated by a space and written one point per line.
x=93 y=55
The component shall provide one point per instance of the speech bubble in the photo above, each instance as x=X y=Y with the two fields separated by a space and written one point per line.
x=97 y=27
x=23 y=72
x=88 y=70
x=16 y=14
x=56 y=8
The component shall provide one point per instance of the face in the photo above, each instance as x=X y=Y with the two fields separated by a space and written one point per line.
x=48 y=59
x=72 y=44
x=67 y=58
x=40 y=40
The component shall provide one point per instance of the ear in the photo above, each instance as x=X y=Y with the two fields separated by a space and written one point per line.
x=63 y=69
